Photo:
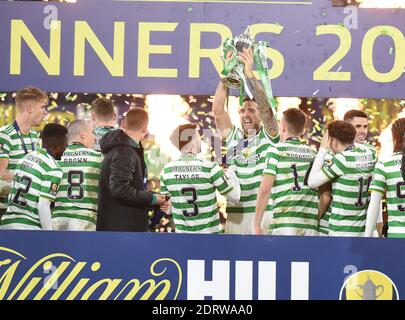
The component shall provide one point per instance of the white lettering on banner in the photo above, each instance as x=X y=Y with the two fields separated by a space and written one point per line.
x=267 y=283
x=299 y=280
x=219 y=287
x=243 y=280
x=198 y=287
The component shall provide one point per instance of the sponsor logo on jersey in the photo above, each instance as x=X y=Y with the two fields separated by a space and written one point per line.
x=54 y=188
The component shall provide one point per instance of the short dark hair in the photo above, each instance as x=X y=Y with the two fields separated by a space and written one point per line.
x=54 y=135
x=398 y=133
x=247 y=99
x=136 y=118
x=349 y=115
x=342 y=131
x=103 y=108
x=183 y=134
x=296 y=120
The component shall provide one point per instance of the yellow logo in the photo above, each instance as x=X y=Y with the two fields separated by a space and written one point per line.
x=54 y=188
x=22 y=279
x=247 y=152
x=369 y=285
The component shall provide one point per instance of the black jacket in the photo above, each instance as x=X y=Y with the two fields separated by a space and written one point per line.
x=123 y=202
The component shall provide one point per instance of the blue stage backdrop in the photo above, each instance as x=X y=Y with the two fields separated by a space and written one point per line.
x=80 y=265
x=173 y=47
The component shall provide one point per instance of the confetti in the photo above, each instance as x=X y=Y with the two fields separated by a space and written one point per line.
x=53 y=106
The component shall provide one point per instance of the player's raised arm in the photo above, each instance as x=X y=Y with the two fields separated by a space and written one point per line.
x=222 y=119
x=266 y=113
x=317 y=177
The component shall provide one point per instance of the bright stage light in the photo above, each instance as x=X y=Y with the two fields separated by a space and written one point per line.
x=166 y=112
x=340 y=106
x=382 y=4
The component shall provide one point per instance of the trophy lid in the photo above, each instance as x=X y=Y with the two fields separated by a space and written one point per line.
x=245 y=39
x=369 y=284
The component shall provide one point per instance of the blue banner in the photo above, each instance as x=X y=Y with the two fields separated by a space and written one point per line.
x=173 y=47
x=96 y=265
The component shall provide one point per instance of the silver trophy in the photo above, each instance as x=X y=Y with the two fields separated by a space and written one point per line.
x=369 y=290
x=233 y=69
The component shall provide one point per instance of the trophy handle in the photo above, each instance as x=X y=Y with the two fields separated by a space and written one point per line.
x=360 y=295
x=382 y=291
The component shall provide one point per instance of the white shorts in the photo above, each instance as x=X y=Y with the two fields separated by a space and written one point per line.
x=71 y=224
x=243 y=223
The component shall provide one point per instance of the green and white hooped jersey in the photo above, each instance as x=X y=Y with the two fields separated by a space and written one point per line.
x=388 y=180
x=368 y=147
x=295 y=205
x=36 y=175
x=12 y=145
x=192 y=184
x=249 y=157
x=351 y=173
x=324 y=221
x=99 y=132
x=77 y=197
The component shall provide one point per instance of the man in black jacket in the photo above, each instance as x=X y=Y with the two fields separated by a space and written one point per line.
x=124 y=201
